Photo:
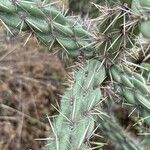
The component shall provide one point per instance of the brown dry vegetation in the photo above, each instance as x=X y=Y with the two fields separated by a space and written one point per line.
x=30 y=80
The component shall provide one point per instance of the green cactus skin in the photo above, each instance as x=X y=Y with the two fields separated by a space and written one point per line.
x=142 y=8
x=116 y=134
x=145 y=143
x=118 y=35
x=75 y=123
x=145 y=29
x=145 y=71
x=51 y=26
x=145 y=3
x=75 y=120
x=48 y=24
x=132 y=86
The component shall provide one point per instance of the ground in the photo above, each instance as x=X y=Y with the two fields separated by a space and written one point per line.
x=30 y=81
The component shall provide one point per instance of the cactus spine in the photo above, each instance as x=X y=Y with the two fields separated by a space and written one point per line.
x=114 y=37
x=50 y=26
x=76 y=119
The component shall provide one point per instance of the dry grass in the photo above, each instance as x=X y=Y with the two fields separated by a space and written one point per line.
x=30 y=81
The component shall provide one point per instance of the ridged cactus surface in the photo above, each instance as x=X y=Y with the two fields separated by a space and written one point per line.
x=133 y=87
x=116 y=134
x=146 y=71
x=117 y=29
x=142 y=8
x=75 y=124
x=47 y=23
x=115 y=32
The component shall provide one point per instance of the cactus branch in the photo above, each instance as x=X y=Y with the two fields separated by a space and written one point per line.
x=47 y=23
x=116 y=134
x=133 y=87
x=75 y=124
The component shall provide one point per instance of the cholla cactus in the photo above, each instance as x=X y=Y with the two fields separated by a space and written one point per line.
x=117 y=29
x=111 y=43
x=133 y=88
x=47 y=23
x=78 y=106
x=116 y=134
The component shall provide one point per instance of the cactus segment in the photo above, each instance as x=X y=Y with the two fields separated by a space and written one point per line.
x=143 y=101
x=38 y=24
x=133 y=88
x=14 y=20
x=63 y=29
x=115 y=75
x=54 y=15
x=80 y=32
x=146 y=116
x=145 y=29
x=142 y=8
x=139 y=77
x=45 y=38
x=126 y=81
x=145 y=3
x=77 y=105
x=42 y=18
x=145 y=71
x=68 y=43
x=116 y=134
x=128 y=94
x=118 y=33
x=141 y=86
x=7 y=6
x=31 y=8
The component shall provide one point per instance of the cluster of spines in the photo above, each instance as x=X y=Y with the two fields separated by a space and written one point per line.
x=117 y=29
x=116 y=32
x=75 y=124
x=117 y=135
x=47 y=23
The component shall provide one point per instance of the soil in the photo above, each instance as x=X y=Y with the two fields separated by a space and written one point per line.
x=30 y=81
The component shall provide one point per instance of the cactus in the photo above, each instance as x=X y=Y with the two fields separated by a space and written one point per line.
x=51 y=26
x=133 y=87
x=145 y=71
x=116 y=134
x=111 y=41
x=84 y=7
x=118 y=29
x=142 y=8
x=77 y=106
x=47 y=23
